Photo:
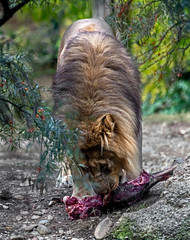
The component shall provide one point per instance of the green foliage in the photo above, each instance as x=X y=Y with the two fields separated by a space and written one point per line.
x=60 y=11
x=26 y=117
x=15 y=85
x=175 y=100
x=40 y=28
x=128 y=230
x=42 y=43
x=157 y=33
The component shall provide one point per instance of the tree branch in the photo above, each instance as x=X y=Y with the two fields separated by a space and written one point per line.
x=19 y=107
x=8 y=12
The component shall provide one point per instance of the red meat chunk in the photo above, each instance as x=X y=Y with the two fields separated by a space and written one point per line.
x=125 y=195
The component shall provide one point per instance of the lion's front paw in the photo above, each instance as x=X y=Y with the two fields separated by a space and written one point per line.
x=64 y=181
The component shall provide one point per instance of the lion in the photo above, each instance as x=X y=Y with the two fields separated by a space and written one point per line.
x=98 y=84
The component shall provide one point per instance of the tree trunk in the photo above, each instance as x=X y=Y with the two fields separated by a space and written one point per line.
x=101 y=8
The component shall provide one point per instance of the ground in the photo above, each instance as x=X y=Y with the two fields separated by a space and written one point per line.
x=22 y=207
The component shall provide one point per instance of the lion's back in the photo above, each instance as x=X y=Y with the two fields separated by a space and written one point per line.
x=97 y=77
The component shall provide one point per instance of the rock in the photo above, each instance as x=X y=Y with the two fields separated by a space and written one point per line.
x=17 y=237
x=30 y=227
x=24 y=212
x=34 y=217
x=24 y=184
x=37 y=213
x=43 y=221
x=35 y=233
x=103 y=228
x=5 y=207
x=42 y=238
x=77 y=238
x=44 y=211
x=50 y=217
x=61 y=232
x=19 y=218
x=51 y=203
x=19 y=197
x=43 y=229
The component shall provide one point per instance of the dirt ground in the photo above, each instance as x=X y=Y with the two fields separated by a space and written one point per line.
x=22 y=208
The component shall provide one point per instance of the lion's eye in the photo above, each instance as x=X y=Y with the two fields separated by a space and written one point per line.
x=86 y=157
x=103 y=167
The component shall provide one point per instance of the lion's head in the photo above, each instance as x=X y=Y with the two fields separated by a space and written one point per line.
x=105 y=160
x=103 y=169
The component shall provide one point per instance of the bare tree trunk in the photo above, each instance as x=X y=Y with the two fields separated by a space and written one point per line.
x=101 y=8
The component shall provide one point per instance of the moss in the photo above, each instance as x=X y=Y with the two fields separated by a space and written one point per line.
x=138 y=206
x=183 y=231
x=128 y=230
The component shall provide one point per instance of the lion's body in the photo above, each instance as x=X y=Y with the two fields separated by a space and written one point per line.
x=98 y=84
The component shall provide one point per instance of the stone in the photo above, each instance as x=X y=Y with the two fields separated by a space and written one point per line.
x=19 y=197
x=77 y=238
x=24 y=212
x=30 y=227
x=43 y=229
x=17 y=237
x=43 y=221
x=61 y=231
x=103 y=228
x=35 y=233
x=19 y=218
x=44 y=211
x=51 y=203
x=24 y=184
x=50 y=217
x=5 y=207
x=37 y=213
x=34 y=217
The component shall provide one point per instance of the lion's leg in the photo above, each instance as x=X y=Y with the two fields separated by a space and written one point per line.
x=64 y=178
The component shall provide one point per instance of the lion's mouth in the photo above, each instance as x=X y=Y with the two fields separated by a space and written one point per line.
x=104 y=186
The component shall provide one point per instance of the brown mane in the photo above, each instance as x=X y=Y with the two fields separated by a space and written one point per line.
x=96 y=77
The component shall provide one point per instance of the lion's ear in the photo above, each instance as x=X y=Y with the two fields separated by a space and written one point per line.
x=108 y=124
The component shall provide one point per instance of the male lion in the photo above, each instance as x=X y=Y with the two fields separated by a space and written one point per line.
x=98 y=84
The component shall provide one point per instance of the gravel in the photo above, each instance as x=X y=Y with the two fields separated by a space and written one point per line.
x=25 y=214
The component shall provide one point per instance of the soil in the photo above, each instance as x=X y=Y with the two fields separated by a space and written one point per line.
x=22 y=206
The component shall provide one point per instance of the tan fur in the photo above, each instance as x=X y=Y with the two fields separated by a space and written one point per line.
x=98 y=84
